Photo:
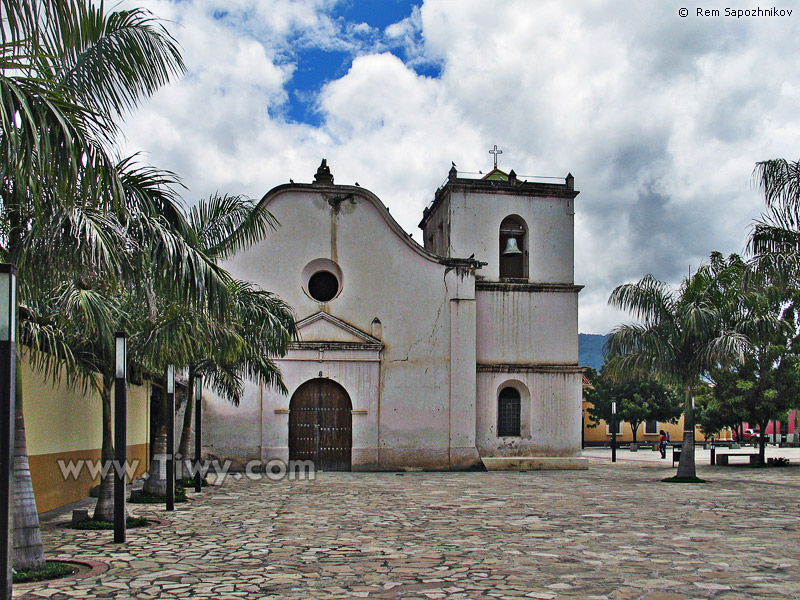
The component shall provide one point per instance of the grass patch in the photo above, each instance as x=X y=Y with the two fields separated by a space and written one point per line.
x=51 y=570
x=683 y=480
x=189 y=483
x=94 y=525
x=139 y=497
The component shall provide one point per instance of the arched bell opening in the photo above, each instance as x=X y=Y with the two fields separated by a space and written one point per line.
x=513 y=248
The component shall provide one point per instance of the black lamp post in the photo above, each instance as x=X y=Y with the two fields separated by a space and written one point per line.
x=613 y=432
x=8 y=373
x=171 y=437
x=120 y=432
x=198 y=433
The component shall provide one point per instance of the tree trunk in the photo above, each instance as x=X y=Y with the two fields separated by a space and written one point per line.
x=156 y=482
x=686 y=466
x=635 y=430
x=185 y=446
x=762 y=442
x=28 y=550
x=104 y=510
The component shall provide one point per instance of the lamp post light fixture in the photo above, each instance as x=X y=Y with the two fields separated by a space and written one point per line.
x=170 y=437
x=8 y=373
x=120 y=432
x=613 y=432
x=198 y=433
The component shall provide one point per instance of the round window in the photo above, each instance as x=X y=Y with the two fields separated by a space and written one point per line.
x=323 y=286
x=322 y=279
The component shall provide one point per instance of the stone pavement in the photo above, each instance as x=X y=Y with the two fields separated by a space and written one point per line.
x=614 y=531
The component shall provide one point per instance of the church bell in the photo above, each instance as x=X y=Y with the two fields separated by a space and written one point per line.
x=511 y=247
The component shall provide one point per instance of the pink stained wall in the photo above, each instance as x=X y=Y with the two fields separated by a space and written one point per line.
x=794 y=417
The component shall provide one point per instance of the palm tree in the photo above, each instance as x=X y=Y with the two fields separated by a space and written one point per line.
x=222 y=225
x=68 y=69
x=682 y=335
x=775 y=238
x=261 y=326
x=224 y=341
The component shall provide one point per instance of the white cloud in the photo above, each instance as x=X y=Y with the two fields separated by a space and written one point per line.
x=660 y=118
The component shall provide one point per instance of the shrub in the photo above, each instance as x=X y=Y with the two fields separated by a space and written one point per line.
x=94 y=525
x=139 y=497
x=51 y=570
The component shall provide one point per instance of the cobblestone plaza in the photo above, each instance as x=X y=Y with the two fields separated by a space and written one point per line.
x=615 y=531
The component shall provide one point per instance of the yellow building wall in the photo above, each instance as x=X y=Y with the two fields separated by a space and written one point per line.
x=600 y=434
x=63 y=425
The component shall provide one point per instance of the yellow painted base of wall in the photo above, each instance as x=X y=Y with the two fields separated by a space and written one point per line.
x=52 y=490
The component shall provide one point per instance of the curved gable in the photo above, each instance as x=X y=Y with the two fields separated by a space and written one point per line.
x=337 y=194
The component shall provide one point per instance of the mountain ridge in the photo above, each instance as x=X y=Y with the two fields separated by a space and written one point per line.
x=590 y=350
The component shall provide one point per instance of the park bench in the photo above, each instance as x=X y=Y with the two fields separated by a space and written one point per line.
x=722 y=459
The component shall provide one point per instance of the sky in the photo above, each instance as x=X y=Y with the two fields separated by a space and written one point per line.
x=660 y=117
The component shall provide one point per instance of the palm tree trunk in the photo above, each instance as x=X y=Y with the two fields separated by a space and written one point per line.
x=104 y=510
x=156 y=482
x=28 y=550
x=184 y=448
x=686 y=466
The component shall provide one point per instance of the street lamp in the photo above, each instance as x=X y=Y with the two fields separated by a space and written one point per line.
x=613 y=432
x=171 y=437
x=8 y=373
x=120 y=432
x=198 y=433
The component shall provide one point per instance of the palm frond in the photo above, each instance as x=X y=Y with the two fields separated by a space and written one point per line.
x=779 y=180
x=112 y=61
x=649 y=300
x=226 y=224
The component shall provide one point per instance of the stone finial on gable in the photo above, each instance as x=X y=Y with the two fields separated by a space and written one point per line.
x=323 y=176
x=453 y=174
x=570 y=181
x=512 y=176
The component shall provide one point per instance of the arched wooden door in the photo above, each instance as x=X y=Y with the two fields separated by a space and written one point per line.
x=321 y=425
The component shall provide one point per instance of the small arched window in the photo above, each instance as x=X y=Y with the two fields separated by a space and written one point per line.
x=508 y=413
x=513 y=248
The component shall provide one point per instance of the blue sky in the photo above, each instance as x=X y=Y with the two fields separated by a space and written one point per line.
x=660 y=118
x=361 y=29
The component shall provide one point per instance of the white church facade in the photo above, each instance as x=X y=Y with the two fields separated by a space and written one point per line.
x=452 y=356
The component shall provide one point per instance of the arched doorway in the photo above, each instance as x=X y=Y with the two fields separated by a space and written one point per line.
x=321 y=425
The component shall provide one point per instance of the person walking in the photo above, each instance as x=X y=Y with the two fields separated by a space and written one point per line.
x=662 y=444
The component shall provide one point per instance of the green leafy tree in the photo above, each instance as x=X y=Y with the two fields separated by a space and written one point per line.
x=762 y=384
x=638 y=399
x=767 y=383
x=713 y=416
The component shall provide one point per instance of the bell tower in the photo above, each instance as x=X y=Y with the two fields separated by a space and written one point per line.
x=528 y=385
x=524 y=230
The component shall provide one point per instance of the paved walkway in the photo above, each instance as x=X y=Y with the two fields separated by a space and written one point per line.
x=614 y=531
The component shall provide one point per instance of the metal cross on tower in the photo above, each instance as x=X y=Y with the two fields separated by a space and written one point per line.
x=495 y=152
